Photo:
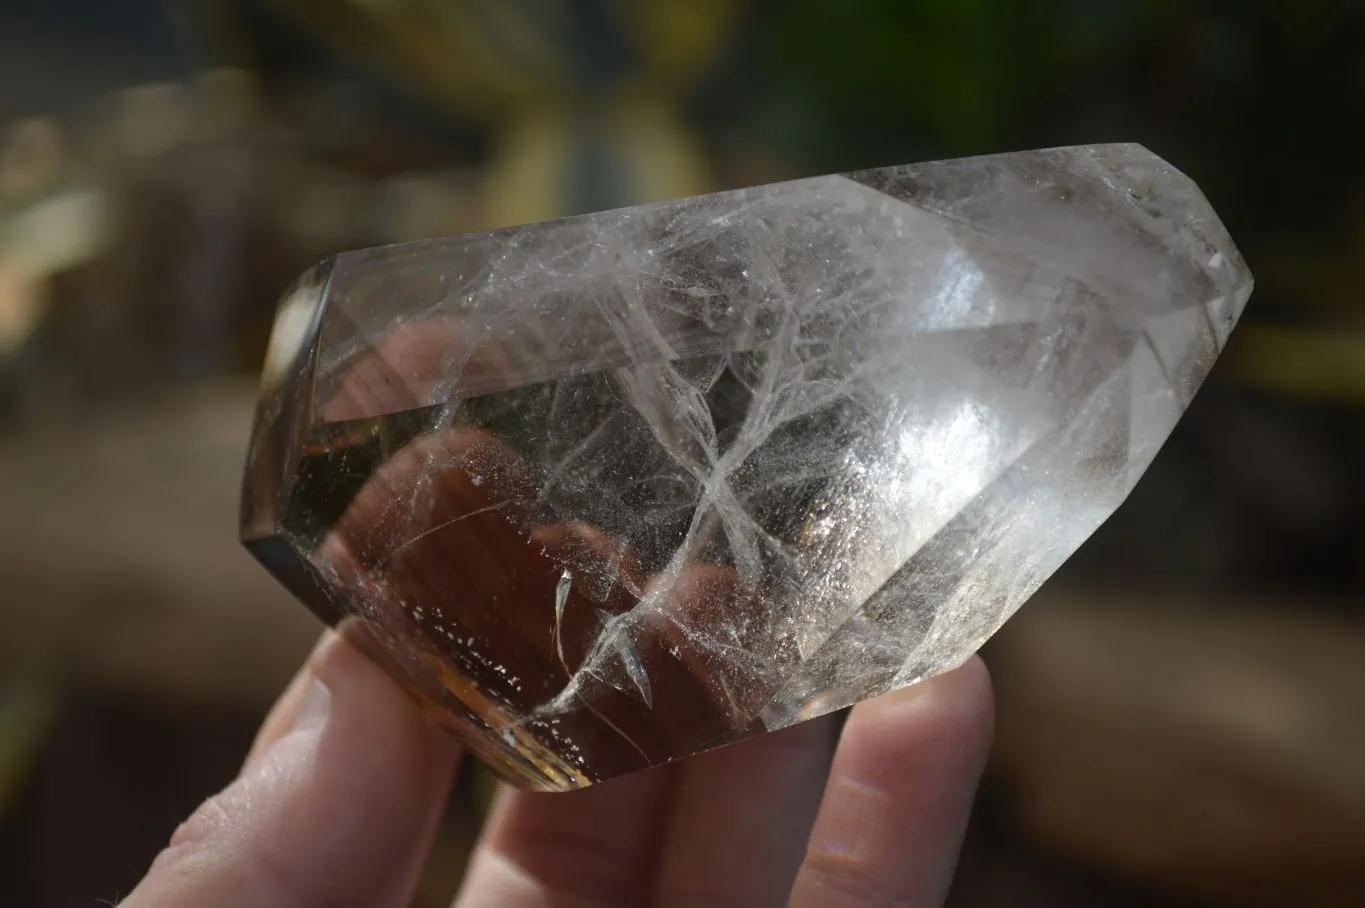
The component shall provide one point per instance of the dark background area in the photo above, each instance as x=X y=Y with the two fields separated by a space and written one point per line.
x=1180 y=709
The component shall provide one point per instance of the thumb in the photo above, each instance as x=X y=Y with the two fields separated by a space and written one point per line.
x=336 y=806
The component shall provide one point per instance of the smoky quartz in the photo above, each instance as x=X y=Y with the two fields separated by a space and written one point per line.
x=612 y=490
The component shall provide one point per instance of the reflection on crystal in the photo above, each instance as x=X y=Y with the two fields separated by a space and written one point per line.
x=609 y=491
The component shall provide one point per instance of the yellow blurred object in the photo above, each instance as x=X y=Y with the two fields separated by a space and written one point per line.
x=149 y=121
x=32 y=160
x=473 y=60
x=638 y=142
x=584 y=112
x=484 y=62
x=58 y=232
x=21 y=304
x=1304 y=362
x=47 y=237
x=680 y=39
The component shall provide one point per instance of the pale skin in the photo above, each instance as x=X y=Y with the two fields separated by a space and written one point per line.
x=340 y=796
x=339 y=799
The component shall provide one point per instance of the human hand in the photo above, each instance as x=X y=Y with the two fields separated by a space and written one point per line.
x=341 y=794
x=340 y=797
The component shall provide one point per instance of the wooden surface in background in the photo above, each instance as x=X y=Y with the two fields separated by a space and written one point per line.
x=119 y=559
x=1217 y=748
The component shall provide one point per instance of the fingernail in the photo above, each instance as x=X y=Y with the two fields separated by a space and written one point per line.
x=313 y=707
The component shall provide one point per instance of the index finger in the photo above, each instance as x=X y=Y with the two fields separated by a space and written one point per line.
x=337 y=807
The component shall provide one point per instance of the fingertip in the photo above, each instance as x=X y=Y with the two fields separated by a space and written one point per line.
x=284 y=712
x=900 y=794
x=336 y=807
x=954 y=710
x=939 y=728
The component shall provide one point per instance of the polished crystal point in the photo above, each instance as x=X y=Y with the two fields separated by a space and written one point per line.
x=608 y=491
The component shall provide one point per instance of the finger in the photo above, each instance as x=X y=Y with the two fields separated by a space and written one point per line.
x=407 y=367
x=283 y=715
x=899 y=795
x=595 y=848
x=741 y=818
x=338 y=810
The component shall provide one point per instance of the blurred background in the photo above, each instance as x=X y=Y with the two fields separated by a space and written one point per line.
x=1182 y=711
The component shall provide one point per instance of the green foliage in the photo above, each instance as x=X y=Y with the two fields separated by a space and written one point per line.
x=1255 y=100
x=880 y=77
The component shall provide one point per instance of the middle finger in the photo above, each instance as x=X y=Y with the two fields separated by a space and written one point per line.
x=595 y=848
x=741 y=818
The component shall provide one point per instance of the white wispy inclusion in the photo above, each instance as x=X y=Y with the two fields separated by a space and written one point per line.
x=936 y=469
x=887 y=405
x=956 y=300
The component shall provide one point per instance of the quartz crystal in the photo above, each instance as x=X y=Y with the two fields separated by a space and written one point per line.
x=607 y=491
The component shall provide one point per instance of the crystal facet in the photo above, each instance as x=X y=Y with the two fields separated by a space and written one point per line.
x=607 y=491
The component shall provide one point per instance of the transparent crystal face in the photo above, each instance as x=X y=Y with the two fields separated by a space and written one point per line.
x=609 y=491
